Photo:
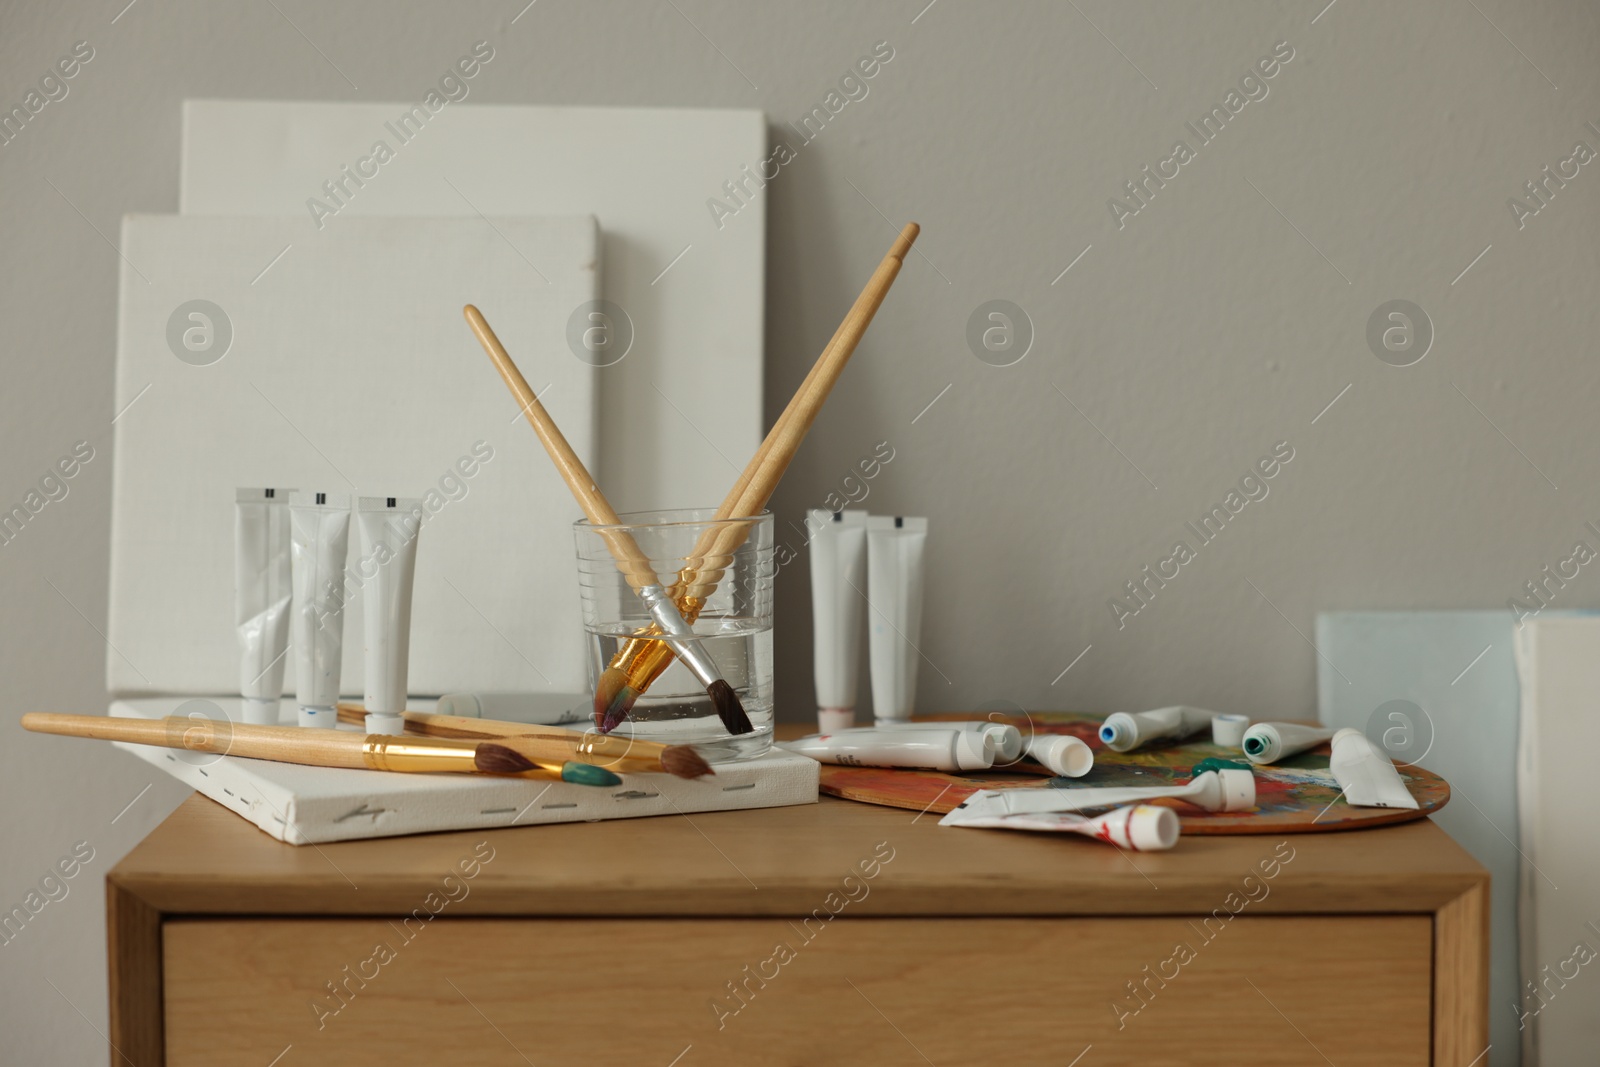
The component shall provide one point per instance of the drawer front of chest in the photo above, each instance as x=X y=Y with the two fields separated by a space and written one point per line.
x=807 y=990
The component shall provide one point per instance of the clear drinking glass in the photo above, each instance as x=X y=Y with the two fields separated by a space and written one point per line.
x=719 y=574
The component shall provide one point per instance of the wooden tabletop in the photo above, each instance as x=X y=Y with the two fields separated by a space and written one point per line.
x=205 y=860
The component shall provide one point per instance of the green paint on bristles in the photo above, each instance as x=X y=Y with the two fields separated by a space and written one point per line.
x=587 y=774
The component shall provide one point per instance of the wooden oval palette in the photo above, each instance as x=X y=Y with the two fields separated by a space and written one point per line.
x=1298 y=795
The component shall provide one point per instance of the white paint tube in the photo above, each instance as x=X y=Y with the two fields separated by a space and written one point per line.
x=1141 y=828
x=1124 y=732
x=894 y=598
x=319 y=536
x=542 y=709
x=1065 y=756
x=261 y=595
x=1008 y=744
x=1228 y=790
x=838 y=573
x=1366 y=775
x=389 y=528
x=932 y=748
x=1269 y=742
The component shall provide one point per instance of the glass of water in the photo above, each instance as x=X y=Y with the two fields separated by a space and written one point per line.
x=673 y=600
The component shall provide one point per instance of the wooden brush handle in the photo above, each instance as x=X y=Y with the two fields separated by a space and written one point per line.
x=462 y=726
x=852 y=327
x=643 y=660
x=285 y=744
x=761 y=475
x=631 y=559
x=801 y=411
x=547 y=745
x=467 y=728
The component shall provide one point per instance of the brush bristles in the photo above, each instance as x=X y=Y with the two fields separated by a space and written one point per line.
x=684 y=762
x=493 y=758
x=612 y=699
x=728 y=707
x=617 y=711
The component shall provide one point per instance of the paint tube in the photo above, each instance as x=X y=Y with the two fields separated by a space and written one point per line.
x=1065 y=756
x=1230 y=790
x=933 y=748
x=261 y=595
x=1269 y=742
x=1366 y=775
x=1123 y=732
x=541 y=709
x=894 y=598
x=389 y=528
x=1008 y=744
x=1141 y=828
x=319 y=539
x=838 y=574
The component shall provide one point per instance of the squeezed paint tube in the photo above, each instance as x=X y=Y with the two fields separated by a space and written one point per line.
x=1008 y=744
x=1142 y=828
x=389 y=527
x=1366 y=775
x=1124 y=732
x=1066 y=756
x=261 y=595
x=933 y=748
x=319 y=540
x=838 y=566
x=894 y=597
x=542 y=709
x=1212 y=790
x=1269 y=742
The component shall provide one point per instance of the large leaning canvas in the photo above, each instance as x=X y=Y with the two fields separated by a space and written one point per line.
x=678 y=342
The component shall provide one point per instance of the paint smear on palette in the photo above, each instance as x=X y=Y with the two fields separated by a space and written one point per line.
x=1298 y=795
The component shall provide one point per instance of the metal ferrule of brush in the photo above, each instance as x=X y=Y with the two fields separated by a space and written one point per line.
x=679 y=635
x=386 y=753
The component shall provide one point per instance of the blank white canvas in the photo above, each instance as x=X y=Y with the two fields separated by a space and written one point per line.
x=350 y=370
x=682 y=410
x=1457 y=668
x=1559 y=663
x=315 y=805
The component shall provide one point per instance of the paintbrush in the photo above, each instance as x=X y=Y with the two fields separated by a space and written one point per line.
x=314 y=747
x=627 y=755
x=639 y=662
x=631 y=559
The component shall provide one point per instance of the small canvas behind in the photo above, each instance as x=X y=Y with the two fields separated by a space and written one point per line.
x=339 y=361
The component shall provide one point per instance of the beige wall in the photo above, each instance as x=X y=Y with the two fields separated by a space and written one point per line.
x=1219 y=320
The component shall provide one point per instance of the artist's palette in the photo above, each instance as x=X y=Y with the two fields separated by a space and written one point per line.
x=1298 y=795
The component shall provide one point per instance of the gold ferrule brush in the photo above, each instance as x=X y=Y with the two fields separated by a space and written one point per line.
x=381 y=752
x=316 y=747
